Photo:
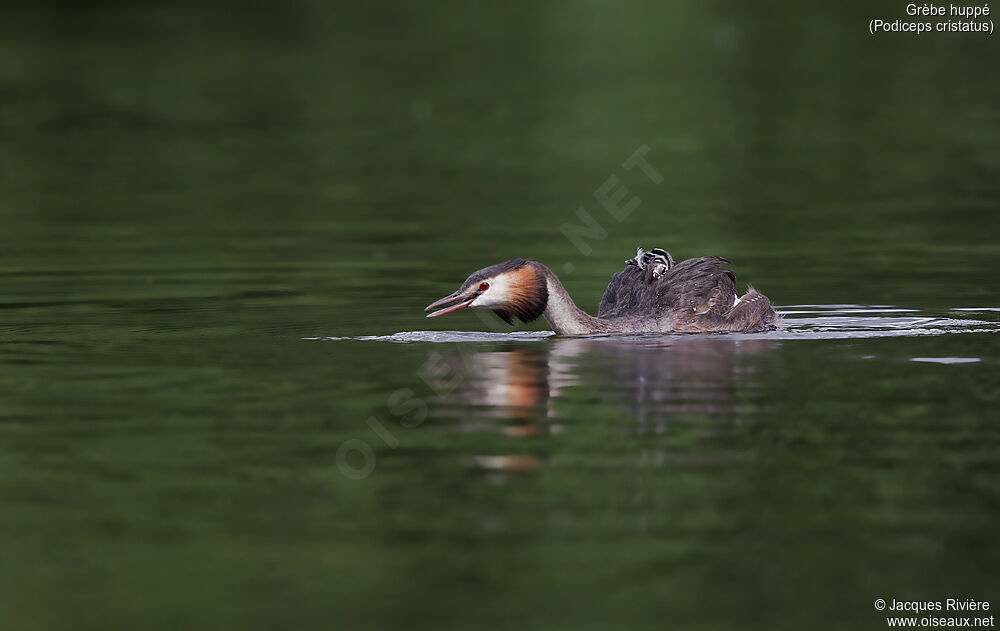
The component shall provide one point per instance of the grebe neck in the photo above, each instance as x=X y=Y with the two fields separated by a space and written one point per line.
x=561 y=312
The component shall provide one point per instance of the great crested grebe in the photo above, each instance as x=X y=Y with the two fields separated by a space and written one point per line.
x=651 y=295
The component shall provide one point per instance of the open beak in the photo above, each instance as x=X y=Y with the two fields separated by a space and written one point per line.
x=464 y=300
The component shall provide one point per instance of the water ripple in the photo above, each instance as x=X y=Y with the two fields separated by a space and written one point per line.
x=811 y=322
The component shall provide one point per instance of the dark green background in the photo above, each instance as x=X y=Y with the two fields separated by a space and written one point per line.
x=186 y=191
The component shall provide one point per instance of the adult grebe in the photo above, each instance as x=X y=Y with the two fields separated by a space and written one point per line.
x=651 y=295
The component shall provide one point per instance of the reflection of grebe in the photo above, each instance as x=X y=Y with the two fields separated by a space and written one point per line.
x=662 y=378
x=651 y=295
x=655 y=381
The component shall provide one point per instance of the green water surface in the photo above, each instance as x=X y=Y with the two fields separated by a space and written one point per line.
x=186 y=192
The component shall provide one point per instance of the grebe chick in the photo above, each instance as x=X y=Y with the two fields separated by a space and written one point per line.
x=651 y=295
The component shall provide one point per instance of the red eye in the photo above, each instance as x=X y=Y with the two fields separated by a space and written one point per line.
x=484 y=286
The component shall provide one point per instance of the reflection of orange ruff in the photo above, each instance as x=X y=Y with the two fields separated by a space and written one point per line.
x=512 y=381
x=522 y=431
x=506 y=463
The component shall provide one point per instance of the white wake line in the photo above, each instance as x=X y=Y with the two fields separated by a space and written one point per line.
x=870 y=324
x=855 y=335
x=447 y=337
x=827 y=322
x=782 y=312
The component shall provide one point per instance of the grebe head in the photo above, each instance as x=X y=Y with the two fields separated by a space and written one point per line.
x=512 y=289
